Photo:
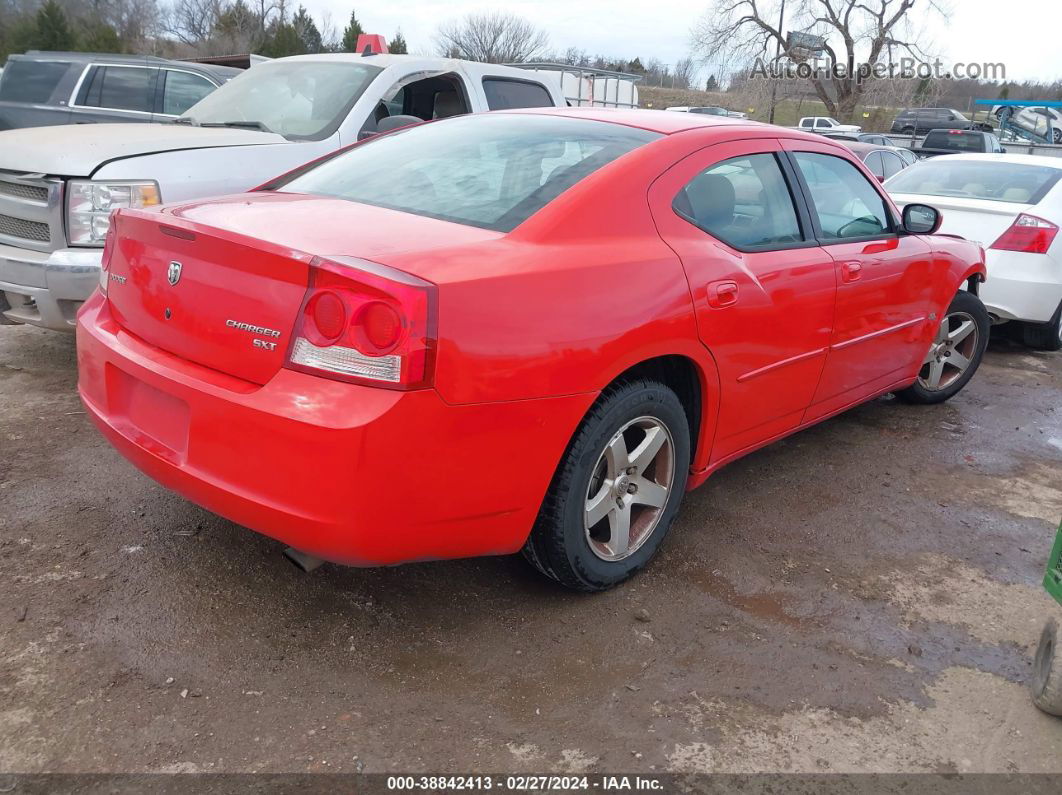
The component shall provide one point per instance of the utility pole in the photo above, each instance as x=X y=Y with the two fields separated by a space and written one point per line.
x=777 y=59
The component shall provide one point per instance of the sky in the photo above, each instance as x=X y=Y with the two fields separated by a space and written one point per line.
x=1022 y=34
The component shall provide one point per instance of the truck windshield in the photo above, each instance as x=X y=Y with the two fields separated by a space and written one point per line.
x=976 y=179
x=491 y=171
x=301 y=100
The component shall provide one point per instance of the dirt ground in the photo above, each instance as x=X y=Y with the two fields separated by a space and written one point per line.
x=863 y=596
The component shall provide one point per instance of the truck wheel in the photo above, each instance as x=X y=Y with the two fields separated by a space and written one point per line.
x=1046 y=682
x=616 y=491
x=955 y=353
x=1044 y=336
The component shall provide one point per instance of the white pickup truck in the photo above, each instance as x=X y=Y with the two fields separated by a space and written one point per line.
x=826 y=124
x=58 y=185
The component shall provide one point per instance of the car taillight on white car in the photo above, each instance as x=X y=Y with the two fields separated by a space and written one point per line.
x=366 y=323
x=1029 y=234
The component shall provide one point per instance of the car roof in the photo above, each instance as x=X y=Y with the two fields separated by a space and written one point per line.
x=661 y=121
x=118 y=58
x=416 y=62
x=861 y=148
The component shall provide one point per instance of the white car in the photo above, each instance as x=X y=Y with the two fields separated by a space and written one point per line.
x=826 y=124
x=1012 y=205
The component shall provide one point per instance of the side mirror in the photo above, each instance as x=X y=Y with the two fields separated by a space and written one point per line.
x=881 y=177
x=921 y=219
x=1003 y=149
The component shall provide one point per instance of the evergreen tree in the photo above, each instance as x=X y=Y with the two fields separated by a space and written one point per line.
x=100 y=37
x=713 y=84
x=282 y=40
x=307 y=31
x=398 y=44
x=53 y=29
x=350 y=35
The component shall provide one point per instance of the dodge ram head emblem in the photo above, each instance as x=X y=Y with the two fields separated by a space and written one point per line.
x=173 y=274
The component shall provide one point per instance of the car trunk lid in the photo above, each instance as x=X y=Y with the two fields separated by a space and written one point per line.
x=980 y=220
x=208 y=297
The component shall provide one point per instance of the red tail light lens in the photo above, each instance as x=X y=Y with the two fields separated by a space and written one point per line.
x=1029 y=234
x=366 y=323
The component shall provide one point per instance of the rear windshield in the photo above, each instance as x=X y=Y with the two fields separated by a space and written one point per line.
x=31 y=81
x=976 y=179
x=959 y=141
x=488 y=171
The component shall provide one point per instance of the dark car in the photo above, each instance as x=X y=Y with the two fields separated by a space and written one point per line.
x=948 y=142
x=47 y=88
x=918 y=121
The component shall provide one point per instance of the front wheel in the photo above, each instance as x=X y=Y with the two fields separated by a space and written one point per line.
x=1046 y=682
x=955 y=353
x=617 y=490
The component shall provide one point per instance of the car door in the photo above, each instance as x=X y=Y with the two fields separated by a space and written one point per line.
x=762 y=288
x=885 y=279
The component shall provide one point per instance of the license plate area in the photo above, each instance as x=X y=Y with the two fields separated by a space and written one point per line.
x=147 y=416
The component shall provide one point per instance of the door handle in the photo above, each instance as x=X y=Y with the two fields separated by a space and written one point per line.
x=722 y=294
x=851 y=271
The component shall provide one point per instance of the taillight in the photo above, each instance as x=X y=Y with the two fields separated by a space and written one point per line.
x=1029 y=234
x=108 y=251
x=366 y=323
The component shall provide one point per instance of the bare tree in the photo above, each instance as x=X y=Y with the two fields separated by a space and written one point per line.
x=492 y=37
x=859 y=35
x=685 y=69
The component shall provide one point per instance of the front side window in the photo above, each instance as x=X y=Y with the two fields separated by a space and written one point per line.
x=31 y=81
x=743 y=201
x=183 y=89
x=489 y=171
x=892 y=163
x=119 y=88
x=301 y=100
x=823 y=123
x=846 y=203
x=505 y=94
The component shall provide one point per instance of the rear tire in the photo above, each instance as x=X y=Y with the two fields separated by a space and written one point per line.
x=1046 y=682
x=1044 y=336
x=617 y=490
x=955 y=353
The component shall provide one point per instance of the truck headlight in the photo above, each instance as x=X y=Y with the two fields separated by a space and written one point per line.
x=89 y=206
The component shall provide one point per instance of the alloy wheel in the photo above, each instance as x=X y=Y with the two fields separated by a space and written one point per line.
x=952 y=352
x=629 y=488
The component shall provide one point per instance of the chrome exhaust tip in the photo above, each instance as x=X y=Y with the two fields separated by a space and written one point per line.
x=303 y=561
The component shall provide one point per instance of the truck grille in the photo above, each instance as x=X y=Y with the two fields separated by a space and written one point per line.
x=33 y=193
x=31 y=212
x=25 y=230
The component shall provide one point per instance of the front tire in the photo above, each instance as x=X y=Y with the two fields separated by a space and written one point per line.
x=617 y=489
x=1044 y=336
x=955 y=353
x=1046 y=682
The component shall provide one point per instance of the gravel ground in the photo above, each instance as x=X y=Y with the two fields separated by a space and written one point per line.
x=863 y=596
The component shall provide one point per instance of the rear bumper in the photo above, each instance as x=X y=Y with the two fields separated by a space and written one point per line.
x=46 y=289
x=348 y=473
x=1022 y=286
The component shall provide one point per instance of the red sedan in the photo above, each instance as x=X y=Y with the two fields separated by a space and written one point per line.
x=516 y=331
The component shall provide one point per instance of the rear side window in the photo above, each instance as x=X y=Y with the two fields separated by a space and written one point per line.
x=481 y=170
x=31 y=81
x=183 y=89
x=119 y=88
x=743 y=201
x=977 y=179
x=847 y=204
x=504 y=94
